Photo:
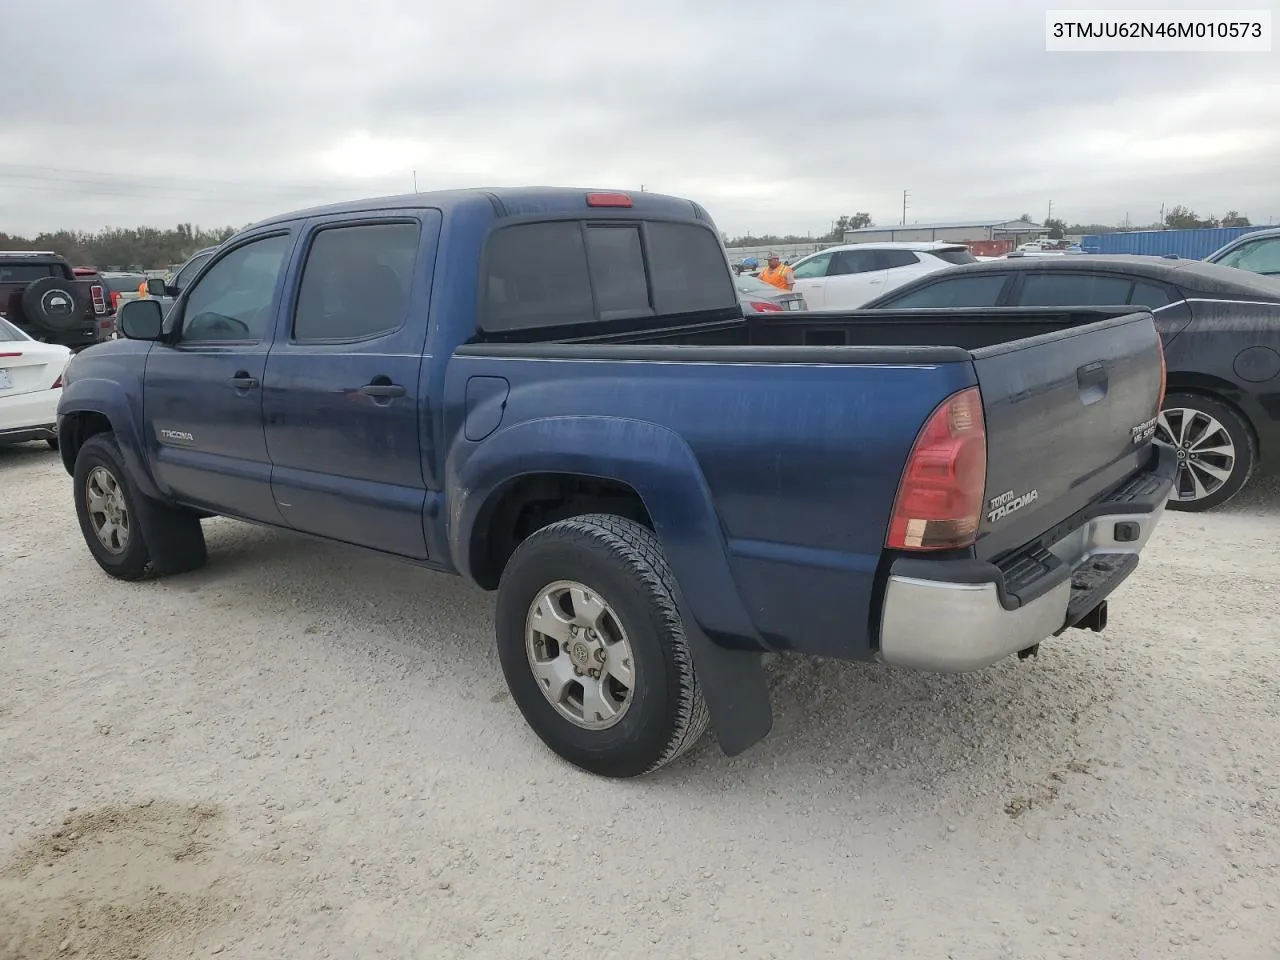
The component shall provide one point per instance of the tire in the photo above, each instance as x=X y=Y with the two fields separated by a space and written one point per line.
x=147 y=537
x=1194 y=423
x=55 y=305
x=621 y=562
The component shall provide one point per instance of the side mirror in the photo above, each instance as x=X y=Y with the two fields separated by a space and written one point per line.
x=141 y=320
x=156 y=287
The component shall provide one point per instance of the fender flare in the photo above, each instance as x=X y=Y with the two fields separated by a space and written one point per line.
x=657 y=463
x=651 y=459
x=108 y=398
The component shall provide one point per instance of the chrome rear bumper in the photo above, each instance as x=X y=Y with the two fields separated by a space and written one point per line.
x=951 y=625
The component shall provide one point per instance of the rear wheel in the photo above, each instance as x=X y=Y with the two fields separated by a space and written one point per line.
x=1215 y=447
x=593 y=649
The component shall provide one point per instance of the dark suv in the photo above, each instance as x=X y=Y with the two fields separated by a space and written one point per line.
x=42 y=296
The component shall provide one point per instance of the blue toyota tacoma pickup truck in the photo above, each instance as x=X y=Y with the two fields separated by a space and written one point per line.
x=555 y=393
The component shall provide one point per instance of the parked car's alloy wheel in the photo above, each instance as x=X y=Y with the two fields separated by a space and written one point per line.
x=1215 y=447
x=593 y=649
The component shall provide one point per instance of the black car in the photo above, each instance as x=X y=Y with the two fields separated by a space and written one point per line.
x=1221 y=330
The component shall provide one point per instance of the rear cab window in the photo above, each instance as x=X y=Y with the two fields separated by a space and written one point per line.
x=555 y=274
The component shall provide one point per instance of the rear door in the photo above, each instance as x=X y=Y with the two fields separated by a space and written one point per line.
x=854 y=277
x=341 y=390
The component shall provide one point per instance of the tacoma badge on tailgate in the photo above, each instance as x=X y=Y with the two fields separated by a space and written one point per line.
x=1003 y=505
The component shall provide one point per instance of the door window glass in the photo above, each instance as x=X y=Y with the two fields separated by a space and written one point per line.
x=356 y=281
x=973 y=291
x=813 y=267
x=1073 y=290
x=233 y=300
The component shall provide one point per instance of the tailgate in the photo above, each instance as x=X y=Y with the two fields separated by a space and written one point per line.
x=1069 y=416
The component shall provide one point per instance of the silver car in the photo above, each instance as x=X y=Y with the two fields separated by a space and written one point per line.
x=762 y=297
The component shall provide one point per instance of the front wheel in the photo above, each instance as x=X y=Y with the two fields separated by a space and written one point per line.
x=1215 y=447
x=593 y=648
x=129 y=535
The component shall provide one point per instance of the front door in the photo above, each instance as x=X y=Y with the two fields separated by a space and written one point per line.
x=810 y=280
x=341 y=400
x=203 y=387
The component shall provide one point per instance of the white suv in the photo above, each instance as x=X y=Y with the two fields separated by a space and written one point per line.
x=846 y=277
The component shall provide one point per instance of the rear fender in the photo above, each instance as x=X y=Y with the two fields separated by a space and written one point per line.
x=651 y=459
x=661 y=468
x=108 y=398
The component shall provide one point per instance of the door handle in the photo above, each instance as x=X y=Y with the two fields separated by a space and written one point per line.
x=382 y=390
x=242 y=381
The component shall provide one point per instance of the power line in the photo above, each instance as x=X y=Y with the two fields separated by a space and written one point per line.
x=42 y=171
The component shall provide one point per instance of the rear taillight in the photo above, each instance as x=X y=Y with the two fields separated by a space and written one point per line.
x=115 y=299
x=764 y=306
x=99 y=299
x=1164 y=372
x=57 y=383
x=939 y=502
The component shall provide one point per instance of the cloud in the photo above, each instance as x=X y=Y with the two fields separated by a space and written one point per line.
x=777 y=119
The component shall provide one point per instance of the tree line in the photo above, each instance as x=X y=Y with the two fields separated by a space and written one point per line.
x=116 y=248
x=151 y=248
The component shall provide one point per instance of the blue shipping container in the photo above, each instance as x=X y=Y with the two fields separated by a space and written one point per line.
x=1190 y=244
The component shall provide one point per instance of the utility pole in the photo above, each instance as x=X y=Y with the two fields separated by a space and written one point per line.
x=904 y=208
x=415 y=181
x=1050 y=214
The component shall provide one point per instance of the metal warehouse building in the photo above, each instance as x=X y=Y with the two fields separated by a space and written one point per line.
x=958 y=231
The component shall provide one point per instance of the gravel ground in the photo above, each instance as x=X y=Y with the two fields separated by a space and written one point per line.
x=301 y=751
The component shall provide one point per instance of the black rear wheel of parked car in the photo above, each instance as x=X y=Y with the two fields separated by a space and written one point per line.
x=1216 y=450
x=593 y=649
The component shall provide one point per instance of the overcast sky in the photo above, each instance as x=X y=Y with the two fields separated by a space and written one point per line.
x=777 y=119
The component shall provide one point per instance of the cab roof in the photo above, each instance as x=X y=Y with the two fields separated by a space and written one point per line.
x=513 y=202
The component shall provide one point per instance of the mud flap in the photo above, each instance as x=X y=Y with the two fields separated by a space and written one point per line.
x=734 y=687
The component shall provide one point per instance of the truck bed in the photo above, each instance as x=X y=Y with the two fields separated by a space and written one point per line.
x=1063 y=390
x=968 y=329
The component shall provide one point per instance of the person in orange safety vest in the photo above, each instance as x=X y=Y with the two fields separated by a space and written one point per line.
x=778 y=273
